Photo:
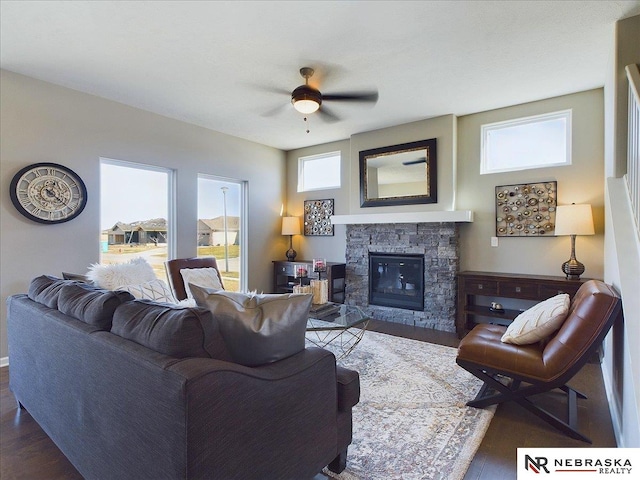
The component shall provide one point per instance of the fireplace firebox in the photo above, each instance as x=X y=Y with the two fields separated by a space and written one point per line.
x=396 y=280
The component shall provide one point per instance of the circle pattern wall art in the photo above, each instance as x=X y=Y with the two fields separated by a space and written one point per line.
x=317 y=217
x=526 y=210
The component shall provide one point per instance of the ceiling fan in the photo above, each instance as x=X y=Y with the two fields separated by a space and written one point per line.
x=307 y=99
x=414 y=162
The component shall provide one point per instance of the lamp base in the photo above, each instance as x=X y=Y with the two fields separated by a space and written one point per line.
x=572 y=268
x=291 y=255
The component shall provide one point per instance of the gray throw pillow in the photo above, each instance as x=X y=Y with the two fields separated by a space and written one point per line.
x=258 y=329
x=91 y=305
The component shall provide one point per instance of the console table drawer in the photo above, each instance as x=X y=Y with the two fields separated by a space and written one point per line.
x=548 y=291
x=519 y=290
x=481 y=287
x=477 y=289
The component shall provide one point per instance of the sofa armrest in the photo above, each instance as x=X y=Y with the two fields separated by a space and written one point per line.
x=242 y=421
x=348 y=388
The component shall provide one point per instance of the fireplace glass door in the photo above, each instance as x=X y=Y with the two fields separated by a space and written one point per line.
x=396 y=280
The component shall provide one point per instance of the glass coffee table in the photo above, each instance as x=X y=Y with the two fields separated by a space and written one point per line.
x=338 y=326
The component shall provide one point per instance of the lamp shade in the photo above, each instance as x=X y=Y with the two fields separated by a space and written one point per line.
x=574 y=220
x=290 y=226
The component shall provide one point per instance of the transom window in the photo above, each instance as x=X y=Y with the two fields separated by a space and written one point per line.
x=319 y=172
x=525 y=143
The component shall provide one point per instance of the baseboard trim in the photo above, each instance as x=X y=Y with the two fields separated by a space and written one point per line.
x=616 y=419
x=4 y=362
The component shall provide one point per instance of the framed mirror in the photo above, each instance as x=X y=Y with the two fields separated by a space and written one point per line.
x=402 y=174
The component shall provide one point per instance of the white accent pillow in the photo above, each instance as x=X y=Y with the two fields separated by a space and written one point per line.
x=114 y=276
x=538 y=322
x=203 y=277
x=155 y=290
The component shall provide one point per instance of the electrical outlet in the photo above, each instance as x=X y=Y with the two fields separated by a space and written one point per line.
x=494 y=241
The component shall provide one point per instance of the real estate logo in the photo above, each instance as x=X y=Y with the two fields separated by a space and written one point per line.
x=588 y=463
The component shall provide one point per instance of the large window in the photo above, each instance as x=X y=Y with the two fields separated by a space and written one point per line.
x=221 y=230
x=524 y=143
x=319 y=172
x=135 y=213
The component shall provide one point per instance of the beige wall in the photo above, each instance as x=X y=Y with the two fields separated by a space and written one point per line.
x=459 y=166
x=41 y=122
x=331 y=248
x=581 y=182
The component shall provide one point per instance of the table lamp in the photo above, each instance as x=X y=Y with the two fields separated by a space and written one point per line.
x=291 y=227
x=574 y=220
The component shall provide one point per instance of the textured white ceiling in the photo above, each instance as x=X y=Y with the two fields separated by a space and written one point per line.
x=212 y=63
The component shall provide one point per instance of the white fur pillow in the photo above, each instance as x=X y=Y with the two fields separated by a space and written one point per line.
x=203 y=277
x=538 y=322
x=112 y=277
x=155 y=290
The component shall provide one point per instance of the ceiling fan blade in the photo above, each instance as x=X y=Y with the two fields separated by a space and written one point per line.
x=276 y=111
x=364 y=96
x=277 y=90
x=327 y=115
x=413 y=162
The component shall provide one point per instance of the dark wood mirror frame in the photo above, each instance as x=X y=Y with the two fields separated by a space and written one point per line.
x=398 y=156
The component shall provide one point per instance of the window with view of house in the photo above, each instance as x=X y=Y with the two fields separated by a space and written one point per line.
x=221 y=213
x=525 y=143
x=319 y=172
x=135 y=213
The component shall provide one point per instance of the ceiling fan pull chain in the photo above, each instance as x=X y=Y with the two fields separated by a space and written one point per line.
x=307 y=121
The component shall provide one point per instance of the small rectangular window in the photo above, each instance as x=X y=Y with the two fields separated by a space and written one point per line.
x=319 y=172
x=525 y=143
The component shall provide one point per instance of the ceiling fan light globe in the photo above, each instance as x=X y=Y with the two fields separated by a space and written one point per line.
x=306 y=99
x=306 y=106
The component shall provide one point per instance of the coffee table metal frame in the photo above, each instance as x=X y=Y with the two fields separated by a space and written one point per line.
x=342 y=329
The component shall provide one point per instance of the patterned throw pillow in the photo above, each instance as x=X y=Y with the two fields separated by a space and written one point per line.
x=203 y=277
x=155 y=290
x=538 y=322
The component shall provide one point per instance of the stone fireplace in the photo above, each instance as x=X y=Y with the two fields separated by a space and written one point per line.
x=436 y=244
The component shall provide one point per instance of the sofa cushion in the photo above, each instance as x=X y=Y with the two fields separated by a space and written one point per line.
x=90 y=304
x=258 y=329
x=113 y=276
x=45 y=289
x=169 y=329
x=538 y=322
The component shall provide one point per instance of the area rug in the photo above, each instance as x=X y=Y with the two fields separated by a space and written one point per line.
x=411 y=422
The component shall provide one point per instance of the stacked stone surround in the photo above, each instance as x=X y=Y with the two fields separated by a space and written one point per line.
x=438 y=242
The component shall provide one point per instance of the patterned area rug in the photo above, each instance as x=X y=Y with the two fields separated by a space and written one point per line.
x=411 y=422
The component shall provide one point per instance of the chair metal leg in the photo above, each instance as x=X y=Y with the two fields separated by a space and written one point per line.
x=495 y=391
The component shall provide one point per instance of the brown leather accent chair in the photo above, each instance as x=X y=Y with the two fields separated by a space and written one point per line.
x=516 y=372
x=174 y=266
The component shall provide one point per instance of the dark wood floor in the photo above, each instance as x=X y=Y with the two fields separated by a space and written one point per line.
x=26 y=452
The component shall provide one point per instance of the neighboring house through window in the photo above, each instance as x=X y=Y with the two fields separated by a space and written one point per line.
x=221 y=231
x=135 y=213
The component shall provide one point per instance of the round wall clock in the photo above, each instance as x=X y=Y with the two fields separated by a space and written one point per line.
x=48 y=193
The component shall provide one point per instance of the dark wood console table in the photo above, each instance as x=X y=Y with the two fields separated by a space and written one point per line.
x=284 y=277
x=496 y=286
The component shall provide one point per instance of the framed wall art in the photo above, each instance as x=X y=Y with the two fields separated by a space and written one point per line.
x=526 y=210
x=317 y=217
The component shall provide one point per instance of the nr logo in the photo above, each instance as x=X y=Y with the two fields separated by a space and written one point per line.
x=536 y=464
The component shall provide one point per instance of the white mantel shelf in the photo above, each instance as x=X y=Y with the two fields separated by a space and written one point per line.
x=404 y=217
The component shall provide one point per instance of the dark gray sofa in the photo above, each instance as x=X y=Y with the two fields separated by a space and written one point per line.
x=161 y=399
